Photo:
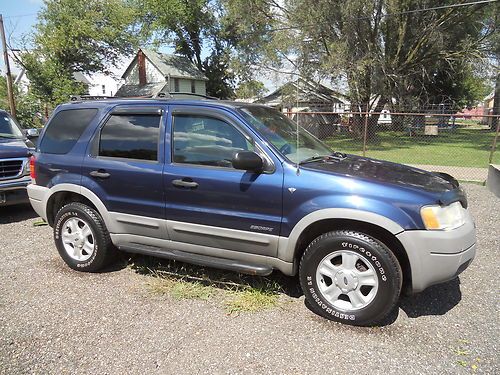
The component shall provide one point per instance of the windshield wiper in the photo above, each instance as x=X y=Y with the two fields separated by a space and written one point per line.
x=312 y=159
x=8 y=136
x=334 y=155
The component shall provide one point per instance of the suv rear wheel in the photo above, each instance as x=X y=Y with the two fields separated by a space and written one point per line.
x=350 y=277
x=82 y=238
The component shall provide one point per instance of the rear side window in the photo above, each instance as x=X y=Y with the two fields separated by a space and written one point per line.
x=131 y=137
x=64 y=130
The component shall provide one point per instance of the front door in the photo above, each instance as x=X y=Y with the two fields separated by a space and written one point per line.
x=210 y=203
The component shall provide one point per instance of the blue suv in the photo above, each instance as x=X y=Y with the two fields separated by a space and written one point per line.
x=232 y=185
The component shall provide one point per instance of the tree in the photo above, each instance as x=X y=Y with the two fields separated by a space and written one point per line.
x=29 y=111
x=250 y=89
x=195 y=29
x=76 y=36
x=387 y=48
x=50 y=81
x=86 y=36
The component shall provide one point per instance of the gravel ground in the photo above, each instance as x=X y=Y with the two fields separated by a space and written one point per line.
x=54 y=320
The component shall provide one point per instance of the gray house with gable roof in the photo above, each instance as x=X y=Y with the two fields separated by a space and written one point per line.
x=151 y=73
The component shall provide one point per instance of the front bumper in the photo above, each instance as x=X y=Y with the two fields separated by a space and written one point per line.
x=438 y=256
x=14 y=191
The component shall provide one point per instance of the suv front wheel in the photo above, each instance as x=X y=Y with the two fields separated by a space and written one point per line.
x=350 y=277
x=82 y=238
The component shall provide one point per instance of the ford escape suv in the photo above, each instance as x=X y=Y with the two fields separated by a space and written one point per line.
x=231 y=185
x=15 y=148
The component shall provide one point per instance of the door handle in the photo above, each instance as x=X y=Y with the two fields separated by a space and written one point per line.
x=185 y=184
x=101 y=173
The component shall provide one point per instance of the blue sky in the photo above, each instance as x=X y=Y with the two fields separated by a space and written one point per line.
x=19 y=17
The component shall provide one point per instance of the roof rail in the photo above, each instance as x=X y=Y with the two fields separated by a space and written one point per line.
x=172 y=95
x=161 y=95
x=75 y=98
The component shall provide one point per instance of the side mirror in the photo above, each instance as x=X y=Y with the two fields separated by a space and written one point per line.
x=248 y=161
x=32 y=133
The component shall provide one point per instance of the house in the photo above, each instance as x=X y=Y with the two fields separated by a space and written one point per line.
x=151 y=73
x=302 y=95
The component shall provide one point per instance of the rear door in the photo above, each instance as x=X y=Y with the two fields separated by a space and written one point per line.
x=208 y=202
x=124 y=168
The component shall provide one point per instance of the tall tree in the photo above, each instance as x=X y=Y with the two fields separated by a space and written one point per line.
x=388 y=48
x=195 y=30
x=77 y=36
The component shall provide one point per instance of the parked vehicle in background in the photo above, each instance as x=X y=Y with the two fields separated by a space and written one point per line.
x=232 y=185
x=15 y=149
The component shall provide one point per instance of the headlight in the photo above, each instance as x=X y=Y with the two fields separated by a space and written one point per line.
x=443 y=218
x=26 y=168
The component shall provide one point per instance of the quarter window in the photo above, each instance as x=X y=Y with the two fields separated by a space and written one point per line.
x=206 y=141
x=131 y=137
x=64 y=130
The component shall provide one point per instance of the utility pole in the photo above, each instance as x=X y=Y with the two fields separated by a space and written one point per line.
x=10 y=92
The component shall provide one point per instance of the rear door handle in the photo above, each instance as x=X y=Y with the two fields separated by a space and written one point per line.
x=101 y=173
x=185 y=184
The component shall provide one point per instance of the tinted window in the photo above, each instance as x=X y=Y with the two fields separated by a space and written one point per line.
x=64 y=130
x=8 y=127
x=130 y=136
x=206 y=141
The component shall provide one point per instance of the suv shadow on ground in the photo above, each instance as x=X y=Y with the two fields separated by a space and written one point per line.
x=14 y=214
x=436 y=300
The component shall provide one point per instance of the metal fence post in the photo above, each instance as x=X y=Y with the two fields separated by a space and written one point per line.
x=494 y=144
x=365 y=131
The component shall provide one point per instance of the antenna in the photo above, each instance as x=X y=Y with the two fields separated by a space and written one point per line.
x=297 y=122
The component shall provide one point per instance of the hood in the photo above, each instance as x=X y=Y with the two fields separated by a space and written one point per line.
x=386 y=172
x=14 y=148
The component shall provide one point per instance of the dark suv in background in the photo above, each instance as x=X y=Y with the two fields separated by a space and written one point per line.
x=15 y=149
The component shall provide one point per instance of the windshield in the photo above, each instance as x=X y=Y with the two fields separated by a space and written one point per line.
x=8 y=127
x=282 y=133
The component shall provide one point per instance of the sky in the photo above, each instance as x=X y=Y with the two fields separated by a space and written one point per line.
x=20 y=16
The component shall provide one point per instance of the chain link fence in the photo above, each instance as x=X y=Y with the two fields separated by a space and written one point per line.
x=462 y=145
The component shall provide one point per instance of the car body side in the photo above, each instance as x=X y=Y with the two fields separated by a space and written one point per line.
x=303 y=204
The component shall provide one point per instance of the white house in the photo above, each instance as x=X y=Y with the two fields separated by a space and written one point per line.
x=151 y=73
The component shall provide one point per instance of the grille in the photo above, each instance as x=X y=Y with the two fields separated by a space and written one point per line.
x=10 y=168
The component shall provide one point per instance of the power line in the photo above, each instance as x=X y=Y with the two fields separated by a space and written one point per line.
x=294 y=27
x=21 y=15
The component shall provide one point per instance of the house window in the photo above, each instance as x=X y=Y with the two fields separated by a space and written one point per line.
x=176 y=84
x=193 y=86
x=104 y=89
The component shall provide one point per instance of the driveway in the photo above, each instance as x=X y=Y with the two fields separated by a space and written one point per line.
x=55 y=320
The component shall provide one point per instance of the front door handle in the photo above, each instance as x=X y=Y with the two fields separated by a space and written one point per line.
x=101 y=173
x=185 y=184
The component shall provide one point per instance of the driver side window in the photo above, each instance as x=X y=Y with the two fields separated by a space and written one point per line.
x=206 y=140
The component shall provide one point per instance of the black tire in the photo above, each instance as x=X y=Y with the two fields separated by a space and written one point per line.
x=369 y=251
x=103 y=250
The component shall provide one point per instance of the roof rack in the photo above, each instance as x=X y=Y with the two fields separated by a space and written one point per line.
x=161 y=95
x=172 y=95
x=75 y=98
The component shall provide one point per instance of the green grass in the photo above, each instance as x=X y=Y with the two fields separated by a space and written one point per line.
x=253 y=299
x=238 y=293
x=180 y=289
x=461 y=147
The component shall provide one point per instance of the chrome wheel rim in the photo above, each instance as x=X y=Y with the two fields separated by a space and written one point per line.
x=78 y=239
x=347 y=280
